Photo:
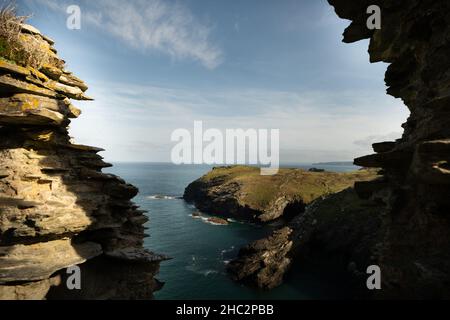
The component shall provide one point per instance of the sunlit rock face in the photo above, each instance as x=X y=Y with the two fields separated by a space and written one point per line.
x=57 y=209
x=414 y=38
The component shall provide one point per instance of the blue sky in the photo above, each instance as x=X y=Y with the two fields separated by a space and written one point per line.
x=155 y=66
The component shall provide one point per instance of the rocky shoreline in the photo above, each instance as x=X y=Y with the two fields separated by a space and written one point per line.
x=57 y=208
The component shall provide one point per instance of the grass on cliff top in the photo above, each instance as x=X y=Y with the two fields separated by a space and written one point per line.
x=259 y=191
x=21 y=49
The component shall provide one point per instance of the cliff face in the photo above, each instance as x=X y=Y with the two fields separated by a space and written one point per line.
x=57 y=209
x=414 y=39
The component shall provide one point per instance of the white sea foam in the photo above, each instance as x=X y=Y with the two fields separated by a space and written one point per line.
x=224 y=251
x=162 y=197
x=205 y=219
x=208 y=272
x=203 y=272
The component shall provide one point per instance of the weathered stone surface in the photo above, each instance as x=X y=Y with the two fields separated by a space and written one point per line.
x=390 y=159
x=73 y=112
x=37 y=290
x=32 y=117
x=10 y=85
x=52 y=72
x=31 y=262
x=69 y=91
x=383 y=146
x=30 y=29
x=73 y=81
x=36 y=110
x=6 y=66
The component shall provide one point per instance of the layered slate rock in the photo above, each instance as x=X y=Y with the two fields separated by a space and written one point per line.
x=414 y=39
x=57 y=208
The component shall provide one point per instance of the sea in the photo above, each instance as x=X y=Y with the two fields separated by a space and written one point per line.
x=200 y=250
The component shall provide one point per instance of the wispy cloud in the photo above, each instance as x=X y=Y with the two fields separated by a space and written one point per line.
x=315 y=126
x=151 y=25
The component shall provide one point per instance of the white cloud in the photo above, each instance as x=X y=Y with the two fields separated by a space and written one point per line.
x=151 y=25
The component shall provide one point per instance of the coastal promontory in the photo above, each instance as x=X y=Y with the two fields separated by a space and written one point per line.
x=241 y=193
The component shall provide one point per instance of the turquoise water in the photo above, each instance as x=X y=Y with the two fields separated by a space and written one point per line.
x=200 y=250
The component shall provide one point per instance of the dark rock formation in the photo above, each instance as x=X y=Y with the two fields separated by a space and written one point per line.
x=414 y=39
x=340 y=232
x=264 y=262
x=241 y=193
x=57 y=209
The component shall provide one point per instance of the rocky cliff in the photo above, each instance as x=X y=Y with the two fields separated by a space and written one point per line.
x=242 y=193
x=401 y=221
x=414 y=39
x=57 y=208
